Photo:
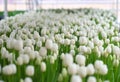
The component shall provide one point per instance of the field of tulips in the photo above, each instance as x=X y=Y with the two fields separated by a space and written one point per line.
x=80 y=45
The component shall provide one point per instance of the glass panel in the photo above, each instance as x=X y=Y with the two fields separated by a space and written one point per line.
x=45 y=4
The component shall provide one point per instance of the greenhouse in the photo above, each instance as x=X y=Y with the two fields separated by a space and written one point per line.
x=59 y=40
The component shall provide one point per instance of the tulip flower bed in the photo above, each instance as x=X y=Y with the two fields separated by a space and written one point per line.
x=80 y=45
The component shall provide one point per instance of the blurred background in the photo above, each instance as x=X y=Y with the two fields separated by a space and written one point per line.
x=12 y=7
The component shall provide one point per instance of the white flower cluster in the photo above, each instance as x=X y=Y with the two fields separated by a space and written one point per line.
x=74 y=43
x=9 y=69
x=100 y=67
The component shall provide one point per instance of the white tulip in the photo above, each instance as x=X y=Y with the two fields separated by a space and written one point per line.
x=91 y=44
x=104 y=70
x=82 y=49
x=98 y=64
x=55 y=47
x=64 y=72
x=60 y=78
x=4 y=52
x=9 y=69
x=106 y=81
x=19 y=60
x=91 y=79
x=115 y=39
x=82 y=71
x=30 y=70
x=28 y=42
x=80 y=59
x=27 y=50
x=28 y=79
x=43 y=31
x=72 y=47
x=107 y=41
x=72 y=69
x=62 y=56
x=116 y=62
x=83 y=40
x=26 y=58
x=43 y=51
x=100 y=67
x=52 y=59
x=108 y=49
x=9 y=45
x=90 y=69
x=67 y=60
x=18 y=45
x=39 y=44
x=36 y=35
x=49 y=44
x=72 y=41
x=43 y=66
x=116 y=50
x=72 y=52
x=10 y=57
x=76 y=78
x=14 y=68
x=2 y=81
x=21 y=80
x=104 y=35
x=67 y=42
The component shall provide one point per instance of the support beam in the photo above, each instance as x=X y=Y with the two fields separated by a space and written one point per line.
x=5 y=9
x=117 y=11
